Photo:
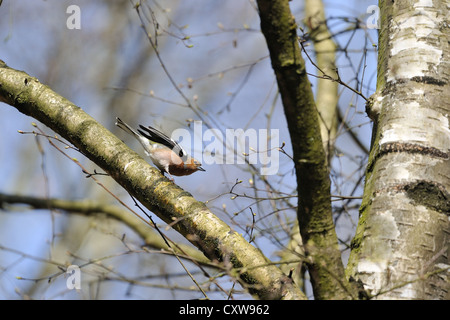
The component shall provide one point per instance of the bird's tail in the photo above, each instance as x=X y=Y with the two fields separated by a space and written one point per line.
x=122 y=125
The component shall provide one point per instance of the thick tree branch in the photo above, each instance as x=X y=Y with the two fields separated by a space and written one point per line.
x=172 y=204
x=314 y=202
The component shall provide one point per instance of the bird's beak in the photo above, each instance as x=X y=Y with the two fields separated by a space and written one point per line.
x=201 y=169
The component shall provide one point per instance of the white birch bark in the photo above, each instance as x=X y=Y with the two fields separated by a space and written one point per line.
x=401 y=249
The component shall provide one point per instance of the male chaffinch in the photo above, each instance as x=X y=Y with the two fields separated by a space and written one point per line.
x=165 y=153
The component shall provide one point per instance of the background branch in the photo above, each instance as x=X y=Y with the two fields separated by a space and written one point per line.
x=88 y=208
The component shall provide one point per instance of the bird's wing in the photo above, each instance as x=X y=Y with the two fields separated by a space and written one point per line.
x=159 y=137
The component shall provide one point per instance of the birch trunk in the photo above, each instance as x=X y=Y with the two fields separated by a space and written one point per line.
x=401 y=249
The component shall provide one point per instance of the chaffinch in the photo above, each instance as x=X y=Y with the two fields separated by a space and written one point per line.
x=165 y=153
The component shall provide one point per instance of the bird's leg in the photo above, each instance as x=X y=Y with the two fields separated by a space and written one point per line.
x=168 y=173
